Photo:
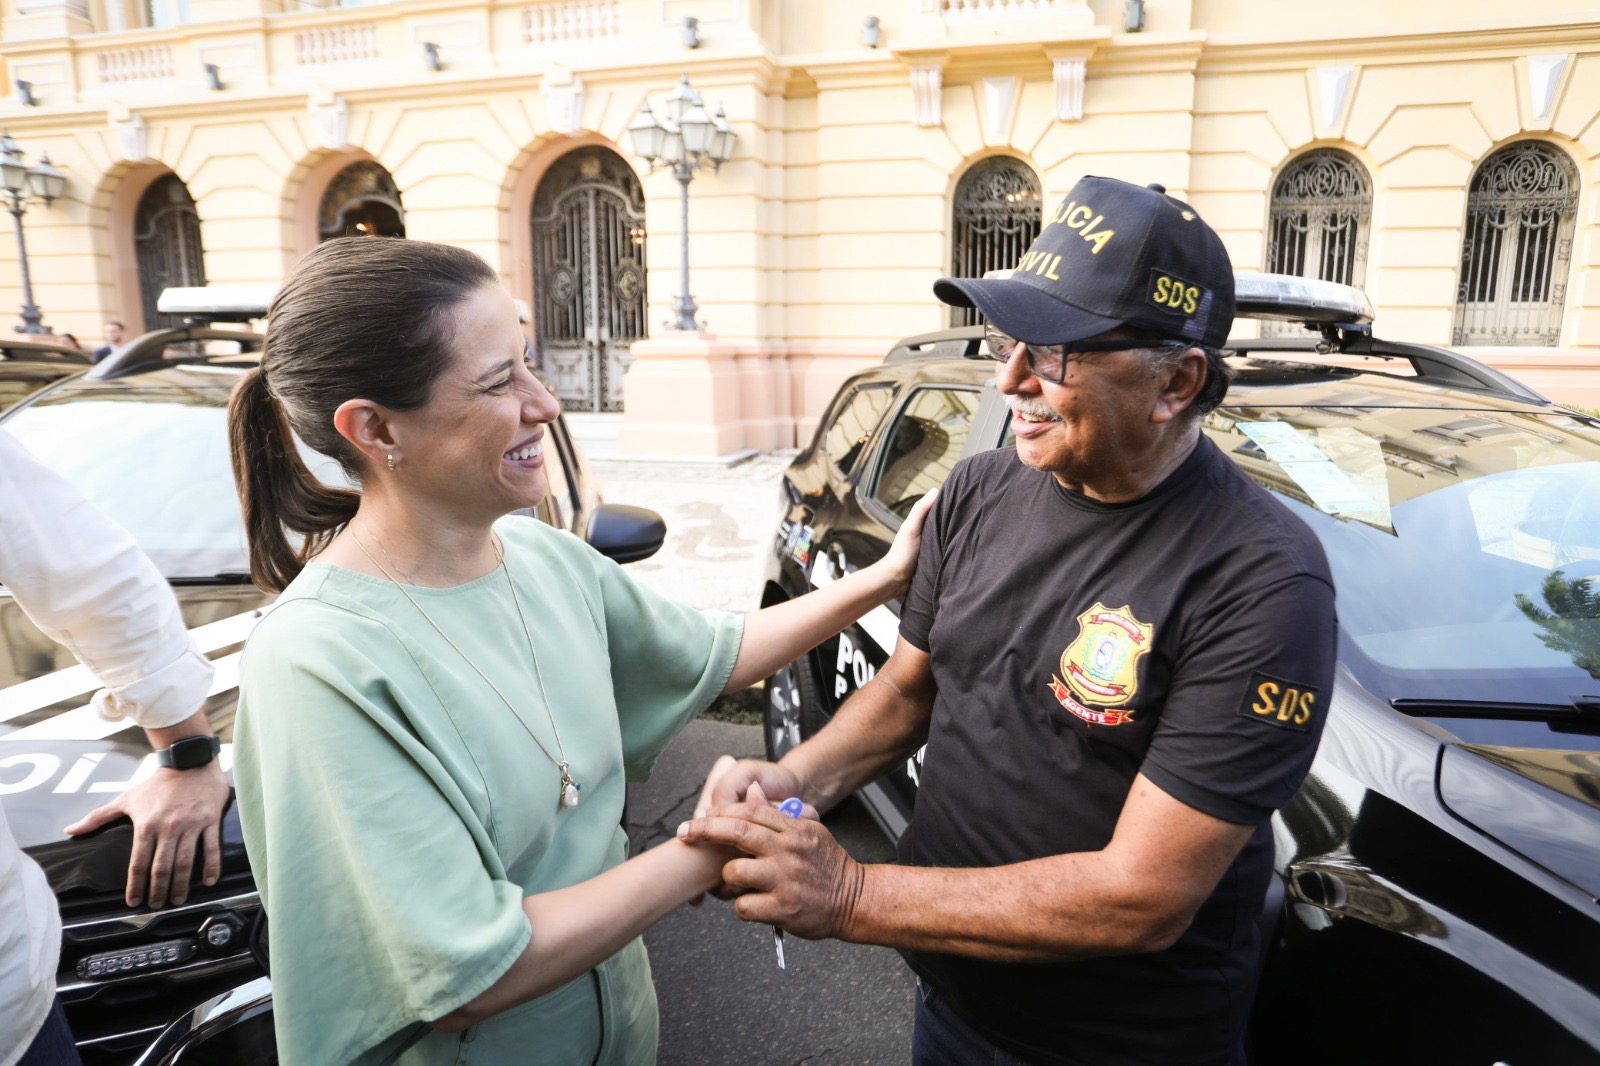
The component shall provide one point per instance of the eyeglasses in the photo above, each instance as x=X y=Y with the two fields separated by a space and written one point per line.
x=1049 y=361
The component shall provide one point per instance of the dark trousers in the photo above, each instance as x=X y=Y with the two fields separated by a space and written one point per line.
x=940 y=1038
x=53 y=1045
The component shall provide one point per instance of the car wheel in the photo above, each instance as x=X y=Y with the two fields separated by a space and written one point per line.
x=791 y=707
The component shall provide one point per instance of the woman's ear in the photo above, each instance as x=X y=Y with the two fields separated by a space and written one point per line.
x=367 y=427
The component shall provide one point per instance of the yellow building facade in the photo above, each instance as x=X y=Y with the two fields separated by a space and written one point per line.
x=1440 y=154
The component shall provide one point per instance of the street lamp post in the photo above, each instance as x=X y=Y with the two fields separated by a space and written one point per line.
x=685 y=139
x=22 y=184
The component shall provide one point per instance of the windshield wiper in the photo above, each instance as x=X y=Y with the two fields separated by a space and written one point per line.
x=221 y=577
x=1580 y=708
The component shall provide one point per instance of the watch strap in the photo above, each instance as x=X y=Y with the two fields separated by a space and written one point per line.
x=189 y=753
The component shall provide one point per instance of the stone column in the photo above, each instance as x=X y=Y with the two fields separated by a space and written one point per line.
x=684 y=398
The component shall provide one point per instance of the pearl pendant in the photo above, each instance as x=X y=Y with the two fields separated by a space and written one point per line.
x=569 y=795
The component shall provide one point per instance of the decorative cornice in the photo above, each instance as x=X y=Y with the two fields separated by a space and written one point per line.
x=1228 y=52
x=1068 y=78
x=331 y=117
x=1333 y=93
x=927 y=95
x=1544 y=81
x=132 y=137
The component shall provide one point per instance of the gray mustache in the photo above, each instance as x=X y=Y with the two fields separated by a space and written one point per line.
x=1032 y=409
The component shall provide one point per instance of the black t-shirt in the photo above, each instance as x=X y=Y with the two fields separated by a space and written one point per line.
x=1188 y=636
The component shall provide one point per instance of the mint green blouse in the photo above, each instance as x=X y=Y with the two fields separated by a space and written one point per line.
x=396 y=814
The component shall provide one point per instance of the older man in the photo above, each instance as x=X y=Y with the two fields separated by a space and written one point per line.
x=1119 y=651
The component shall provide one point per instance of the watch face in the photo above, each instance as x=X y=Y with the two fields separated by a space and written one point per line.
x=191 y=752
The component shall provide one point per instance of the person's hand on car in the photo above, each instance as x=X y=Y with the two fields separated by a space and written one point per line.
x=172 y=812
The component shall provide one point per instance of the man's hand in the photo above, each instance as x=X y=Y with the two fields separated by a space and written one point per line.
x=172 y=811
x=796 y=875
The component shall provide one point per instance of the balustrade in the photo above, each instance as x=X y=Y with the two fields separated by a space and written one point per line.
x=573 y=20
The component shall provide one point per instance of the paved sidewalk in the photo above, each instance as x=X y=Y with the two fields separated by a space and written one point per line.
x=720 y=524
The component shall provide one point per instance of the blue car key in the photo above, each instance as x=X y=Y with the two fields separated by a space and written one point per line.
x=791 y=807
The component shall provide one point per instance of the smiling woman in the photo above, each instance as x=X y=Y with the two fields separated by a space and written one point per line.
x=437 y=718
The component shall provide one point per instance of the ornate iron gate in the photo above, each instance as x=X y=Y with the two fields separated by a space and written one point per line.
x=589 y=280
x=166 y=241
x=1318 y=222
x=997 y=215
x=1521 y=210
x=1321 y=206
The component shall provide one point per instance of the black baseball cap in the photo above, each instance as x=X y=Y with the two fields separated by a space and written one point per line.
x=1113 y=254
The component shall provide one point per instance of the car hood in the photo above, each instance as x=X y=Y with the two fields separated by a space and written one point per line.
x=59 y=760
x=1542 y=803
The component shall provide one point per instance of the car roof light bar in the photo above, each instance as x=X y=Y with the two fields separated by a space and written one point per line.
x=217 y=303
x=1296 y=299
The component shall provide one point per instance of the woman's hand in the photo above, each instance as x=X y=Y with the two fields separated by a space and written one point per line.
x=901 y=561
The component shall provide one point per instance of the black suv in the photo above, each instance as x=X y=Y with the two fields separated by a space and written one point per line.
x=1439 y=871
x=143 y=435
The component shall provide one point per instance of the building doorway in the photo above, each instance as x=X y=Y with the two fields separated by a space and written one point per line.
x=588 y=276
x=166 y=242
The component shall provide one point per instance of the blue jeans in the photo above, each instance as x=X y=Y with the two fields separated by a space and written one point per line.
x=53 y=1045
x=940 y=1038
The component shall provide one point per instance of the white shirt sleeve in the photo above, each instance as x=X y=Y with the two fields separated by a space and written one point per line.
x=84 y=582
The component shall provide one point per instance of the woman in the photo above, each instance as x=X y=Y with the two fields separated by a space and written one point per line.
x=437 y=718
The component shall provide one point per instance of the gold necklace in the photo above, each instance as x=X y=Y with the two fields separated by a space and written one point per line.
x=570 y=789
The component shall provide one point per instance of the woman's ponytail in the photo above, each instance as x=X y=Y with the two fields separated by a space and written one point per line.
x=276 y=489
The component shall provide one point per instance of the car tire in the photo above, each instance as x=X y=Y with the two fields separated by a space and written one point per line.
x=792 y=710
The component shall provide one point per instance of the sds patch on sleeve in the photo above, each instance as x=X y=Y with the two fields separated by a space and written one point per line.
x=1285 y=704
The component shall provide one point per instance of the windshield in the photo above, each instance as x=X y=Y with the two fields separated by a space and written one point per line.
x=156 y=462
x=1465 y=545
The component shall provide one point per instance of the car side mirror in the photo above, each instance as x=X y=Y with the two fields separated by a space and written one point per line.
x=626 y=534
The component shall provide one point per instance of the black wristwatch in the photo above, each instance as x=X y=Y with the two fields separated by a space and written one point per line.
x=189 y=753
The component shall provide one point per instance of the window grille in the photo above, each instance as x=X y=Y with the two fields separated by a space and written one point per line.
x=1521 y=210
x=1318 y=223
x=996 y=217
x=166 y=241
x=361 y=200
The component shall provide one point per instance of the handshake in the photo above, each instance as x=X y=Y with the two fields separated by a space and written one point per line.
x=780 y=868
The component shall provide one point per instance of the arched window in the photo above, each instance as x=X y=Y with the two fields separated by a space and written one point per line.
x=1521 y=209
x=361 y=200
x=1321 y=208
x=996 y=217
x=166 y=241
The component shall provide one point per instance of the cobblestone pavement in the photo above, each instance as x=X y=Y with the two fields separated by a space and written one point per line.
x=720 y=521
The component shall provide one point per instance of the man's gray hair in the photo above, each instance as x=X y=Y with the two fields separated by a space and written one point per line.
x=1218 y=373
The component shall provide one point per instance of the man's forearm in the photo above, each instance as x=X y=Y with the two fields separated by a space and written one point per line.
x=884 y=722
x=1138 y=893
x=1054 y=909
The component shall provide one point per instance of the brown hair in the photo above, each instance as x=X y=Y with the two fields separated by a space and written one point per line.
x=359 y=317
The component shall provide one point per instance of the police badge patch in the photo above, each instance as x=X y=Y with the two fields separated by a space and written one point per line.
x=1100 y=668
